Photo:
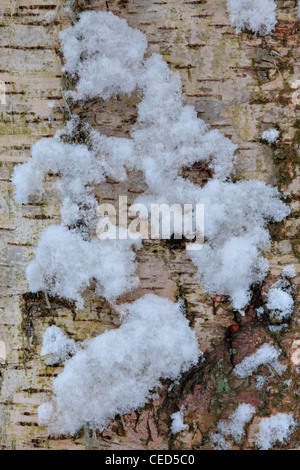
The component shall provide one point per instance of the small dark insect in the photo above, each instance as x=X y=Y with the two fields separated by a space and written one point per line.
x=234 y=328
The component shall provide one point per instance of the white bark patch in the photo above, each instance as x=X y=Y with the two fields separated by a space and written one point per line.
x=2 y=351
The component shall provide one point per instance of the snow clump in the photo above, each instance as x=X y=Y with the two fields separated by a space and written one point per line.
x=234 y=426
x=116 y=371
x=278 y=427
x=257 y=15
x=266 y=354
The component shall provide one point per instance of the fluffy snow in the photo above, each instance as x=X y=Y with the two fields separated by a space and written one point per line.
x=280 y=303
x=177 y=422
x=260 y=311
x=57 y=346
x=271 y=136
x=65 y=264
x=260 y=381
x=239 y=262
x=116 y=371
x=167 y=136
x=266 y=354
x=234 y=426
x=278 y=427
x=257 y=15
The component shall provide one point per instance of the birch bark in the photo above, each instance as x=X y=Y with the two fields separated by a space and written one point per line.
x=240 y=84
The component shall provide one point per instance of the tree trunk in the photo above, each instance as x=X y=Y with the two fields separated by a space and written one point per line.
x=237 y=84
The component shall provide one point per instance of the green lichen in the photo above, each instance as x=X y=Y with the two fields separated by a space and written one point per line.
x=285 y=159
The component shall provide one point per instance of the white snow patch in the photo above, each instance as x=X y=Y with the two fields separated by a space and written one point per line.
x=280 y=303
x=278 y=427
x=105 y=54
x=65 y=264
x=260 y=381
x=234 y=426
x=177 y=422
x=266 y=354
x=289 y=271
x=271 y=136
x=115 y=372
x=276 y=328
x=57 y=345
x=257 y=15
